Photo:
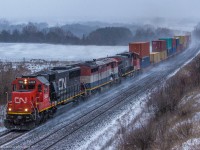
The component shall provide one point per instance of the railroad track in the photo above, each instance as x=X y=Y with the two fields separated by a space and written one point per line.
x=4 y=132
x=60 y=134
x=73 y=124
x=146 y=85
x=9 y=136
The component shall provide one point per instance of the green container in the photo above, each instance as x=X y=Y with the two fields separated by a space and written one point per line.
x=168 y=42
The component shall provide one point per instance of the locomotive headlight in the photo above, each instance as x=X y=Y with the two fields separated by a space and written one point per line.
x=9 y=109
x=25 y=81
x=26 y=109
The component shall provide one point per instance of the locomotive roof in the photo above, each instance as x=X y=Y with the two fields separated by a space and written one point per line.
x=98 y=62
x=69 y=67
x=64 y=69
x=128 y=53
x=43 y=80
x=119 y=56
x=55 y=70
x=40 y=78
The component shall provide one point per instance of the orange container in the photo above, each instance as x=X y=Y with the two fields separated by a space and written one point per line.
x=142 y=48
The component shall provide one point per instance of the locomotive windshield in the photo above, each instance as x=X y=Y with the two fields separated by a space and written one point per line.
x=24 y=85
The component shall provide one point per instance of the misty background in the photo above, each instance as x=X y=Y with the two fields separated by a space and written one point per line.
x=127 y=11
x=95 y=22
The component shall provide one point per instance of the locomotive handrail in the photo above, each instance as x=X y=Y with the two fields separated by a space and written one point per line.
x=34 y=108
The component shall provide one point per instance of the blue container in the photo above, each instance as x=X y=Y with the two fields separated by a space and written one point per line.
x=145 y=62
x=170 y=52
x=174 y=50
x=177 y=42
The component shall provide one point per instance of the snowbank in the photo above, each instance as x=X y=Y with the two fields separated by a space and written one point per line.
x=2 y=113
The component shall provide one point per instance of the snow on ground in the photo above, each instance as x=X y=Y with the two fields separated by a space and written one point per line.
x=191 y=144
x=109 y=135
x=21 y=51
x=2 y=113
x=124 y=119
x=169 y=76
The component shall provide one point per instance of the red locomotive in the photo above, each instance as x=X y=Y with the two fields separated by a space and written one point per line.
x=30 y=103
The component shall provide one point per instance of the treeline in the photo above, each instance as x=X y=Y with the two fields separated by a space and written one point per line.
x=148 y=33
x=31 y=34
x=102 y=36
x=57 y=35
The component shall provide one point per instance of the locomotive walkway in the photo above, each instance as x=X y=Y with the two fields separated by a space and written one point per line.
x=72 y=128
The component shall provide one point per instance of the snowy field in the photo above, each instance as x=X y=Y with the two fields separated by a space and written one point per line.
x=2 y=113
x=21 y=51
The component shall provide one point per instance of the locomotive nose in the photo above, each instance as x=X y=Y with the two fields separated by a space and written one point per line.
x=21 y=102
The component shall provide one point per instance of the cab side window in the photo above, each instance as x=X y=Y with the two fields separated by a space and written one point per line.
x=39 y=88
x=14 y=87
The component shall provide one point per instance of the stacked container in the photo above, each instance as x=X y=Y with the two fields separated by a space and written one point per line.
x=181 y=42
x=177 y=44
x=161 y=47
x=173 y=45
x=163 y=55
x=154 y=57
x=168 y=45
x=145 y=62
x=143 y=49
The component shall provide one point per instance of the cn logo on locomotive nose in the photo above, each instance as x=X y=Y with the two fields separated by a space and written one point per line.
x=20 y=100
x=62 y=83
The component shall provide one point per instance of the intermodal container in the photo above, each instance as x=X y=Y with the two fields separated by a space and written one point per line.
x=173 y=42
x=155 y=57
x=177 y=44
x=181 y=47
x=145 y=62
x=159 y=45
x=181 y=39
x=168 y=42
x=170 y=52
x=163 y=55
x=142 y=48
x=173 y=50
x=173 y=45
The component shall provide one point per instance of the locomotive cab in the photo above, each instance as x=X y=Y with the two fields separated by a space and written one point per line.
x=30 y=97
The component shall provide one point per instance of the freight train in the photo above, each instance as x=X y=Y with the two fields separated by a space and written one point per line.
x=36 y=97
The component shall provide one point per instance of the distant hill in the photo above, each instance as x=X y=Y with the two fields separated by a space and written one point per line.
x=109 y=36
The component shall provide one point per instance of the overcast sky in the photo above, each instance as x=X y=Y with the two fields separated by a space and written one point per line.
x=97 y=10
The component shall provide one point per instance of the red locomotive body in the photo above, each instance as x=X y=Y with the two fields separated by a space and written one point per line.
x=30 y=97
